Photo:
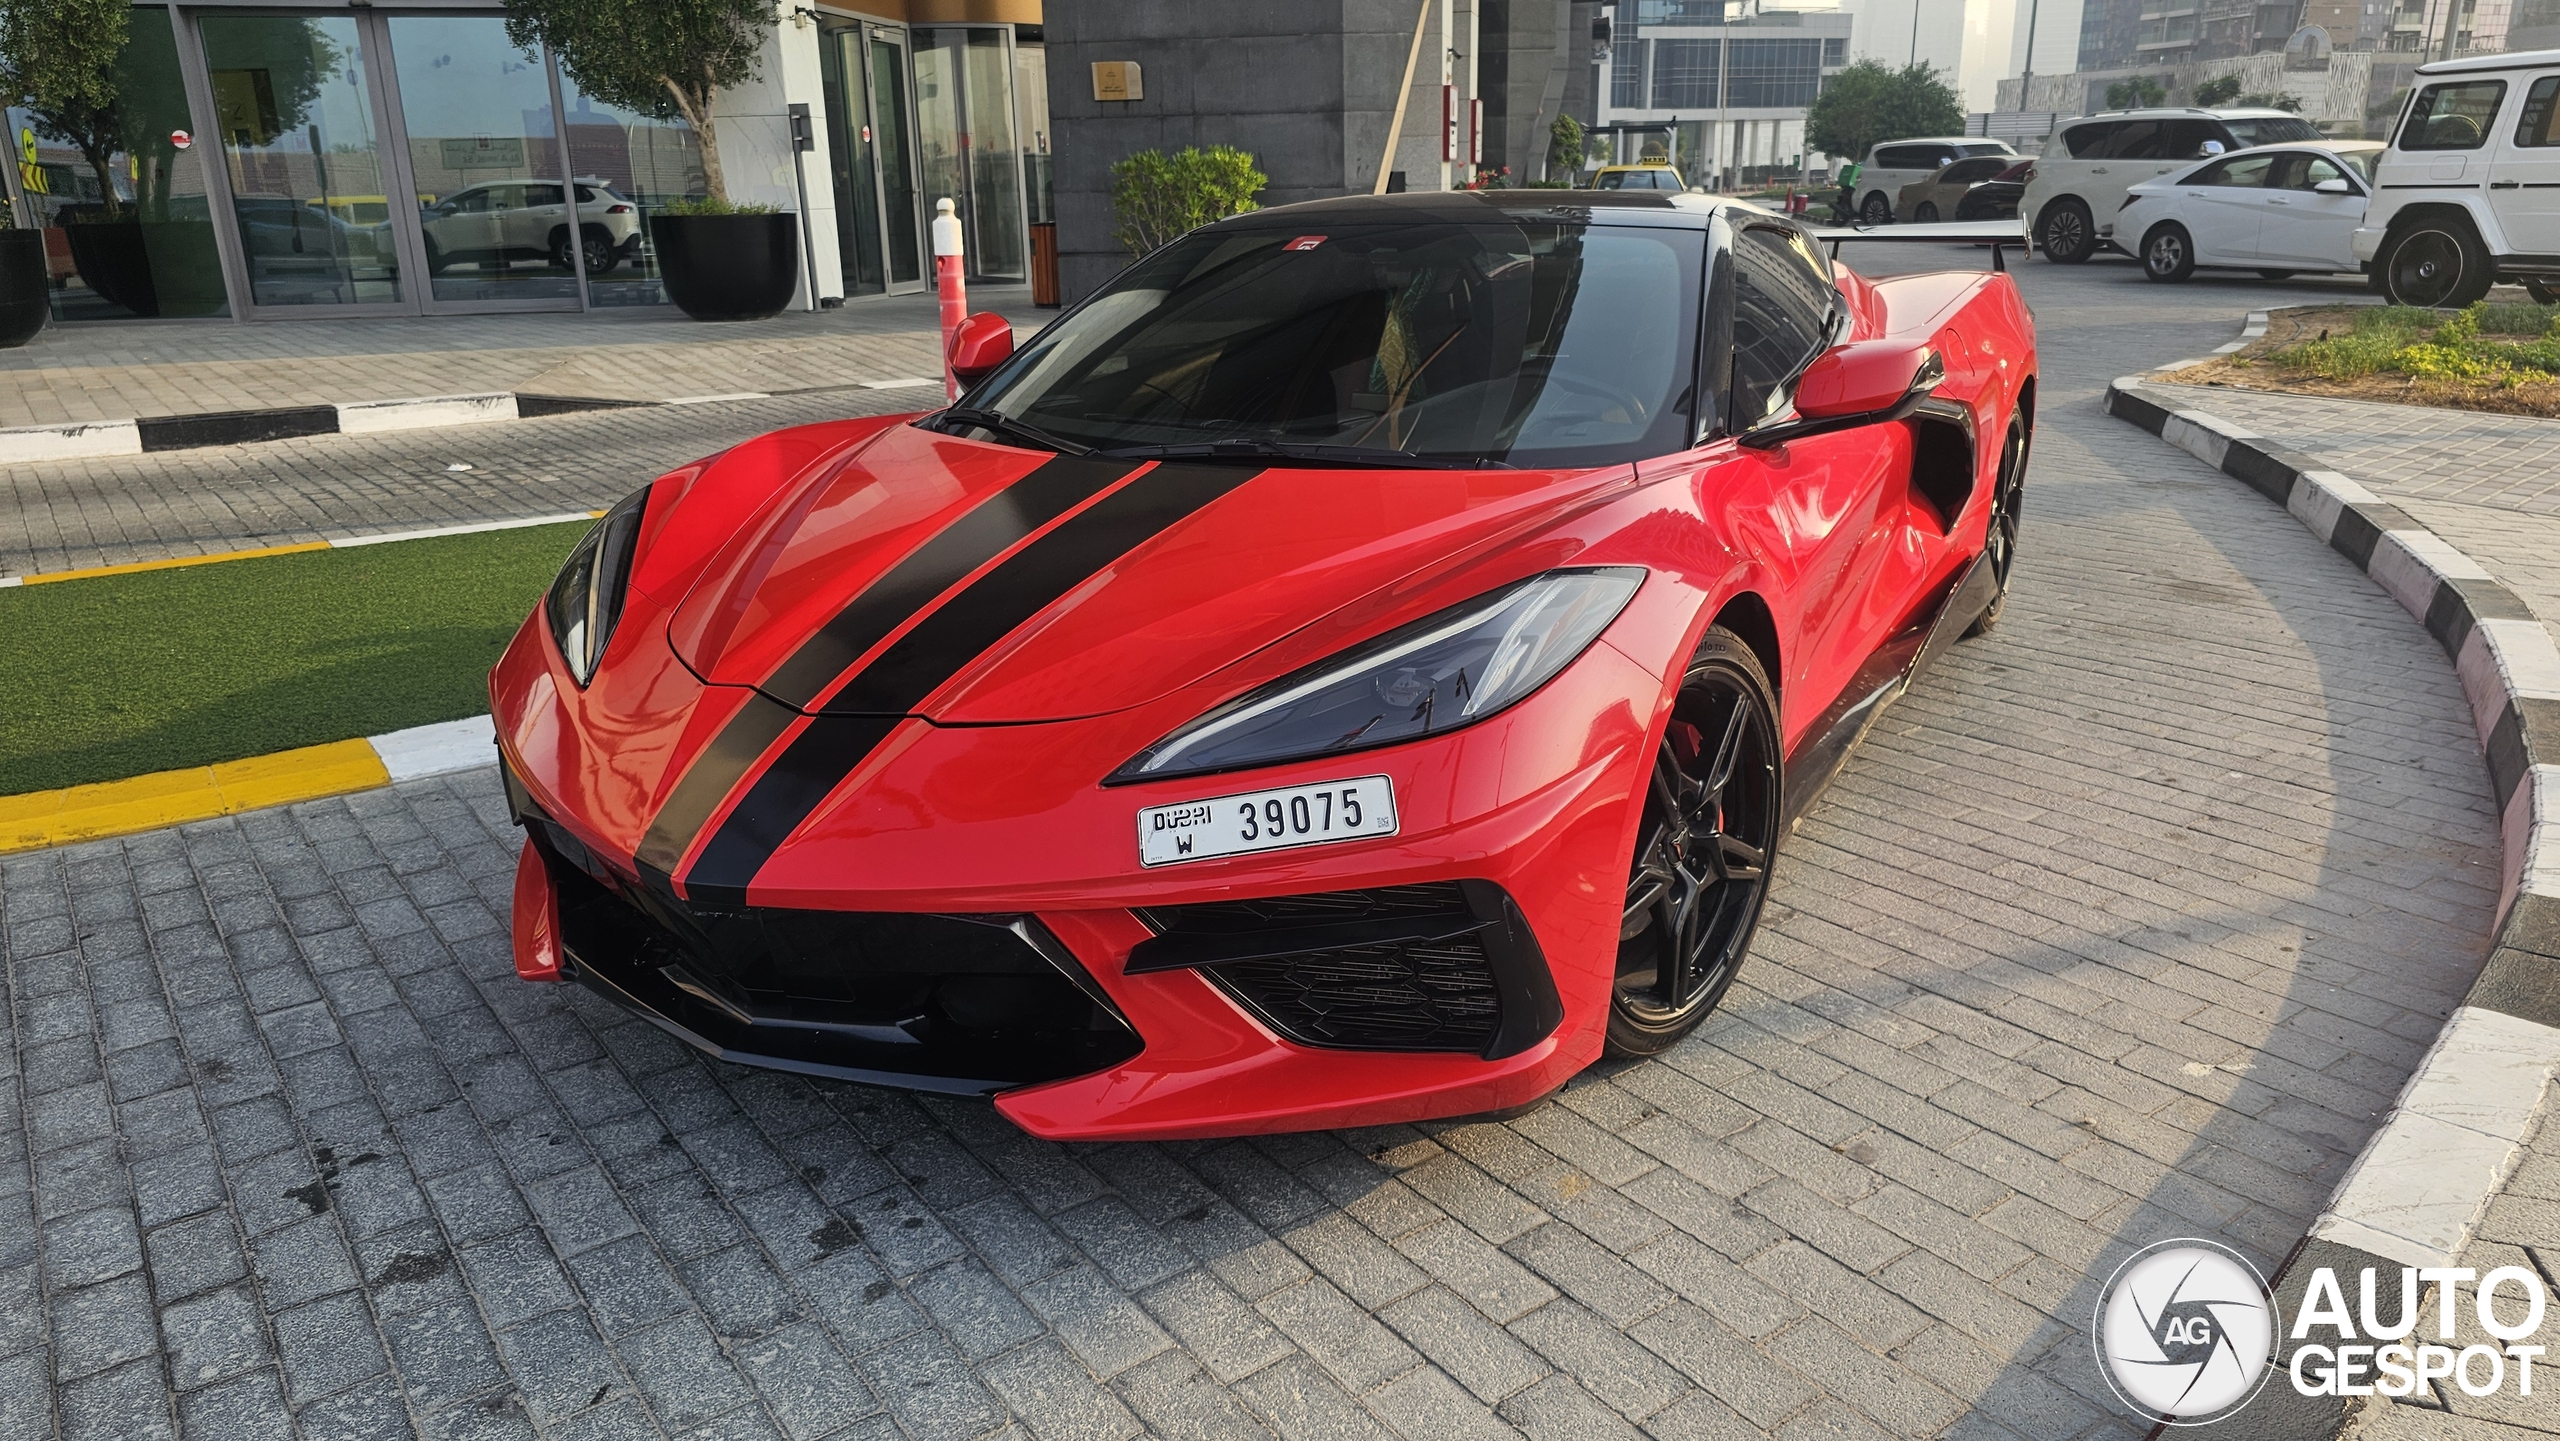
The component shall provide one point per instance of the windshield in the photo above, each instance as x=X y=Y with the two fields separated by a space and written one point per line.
x=1534 y=344
x=2270 y=130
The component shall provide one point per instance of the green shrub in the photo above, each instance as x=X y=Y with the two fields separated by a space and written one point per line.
x=1158 y=198
x=713 y=205
x=2432 y=346
x=2220 y=90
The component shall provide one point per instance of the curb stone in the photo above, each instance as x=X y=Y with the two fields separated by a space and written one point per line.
x=44 y=819
x=95 y=439
x=2427 y=1175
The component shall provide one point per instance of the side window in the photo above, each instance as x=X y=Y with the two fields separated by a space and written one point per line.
x=1782 y=308
x=2133 y=140
x=2534 y=127
x=542 y=195
x=2184 y=139
x=2240 y=172
x=2089 y=142
x=2305 y=172
x=1613 y=180
x=2454 y=116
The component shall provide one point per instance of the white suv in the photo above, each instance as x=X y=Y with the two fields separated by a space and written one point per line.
x=1893 y=164
x=2469 y=191
x=2078 y=184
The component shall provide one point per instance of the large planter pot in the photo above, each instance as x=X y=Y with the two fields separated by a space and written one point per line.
x=115 y=263
x=728 y=267
x=186 y=271
x=24 y=304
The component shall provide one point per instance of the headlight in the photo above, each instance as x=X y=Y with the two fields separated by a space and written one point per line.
x=1444 y=671
x=586 y=599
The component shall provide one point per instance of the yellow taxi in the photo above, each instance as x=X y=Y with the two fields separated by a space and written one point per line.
x=1636 y=177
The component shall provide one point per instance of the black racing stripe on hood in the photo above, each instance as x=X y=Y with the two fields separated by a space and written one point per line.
x=781 y=798
x=712 y=776
x=1049 y=491
x=1026 y=583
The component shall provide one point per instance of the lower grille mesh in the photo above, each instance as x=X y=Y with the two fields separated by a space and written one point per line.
x=1394 y=995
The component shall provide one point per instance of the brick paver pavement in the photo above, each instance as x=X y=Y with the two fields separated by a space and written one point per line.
x=2127 y=926
x=65 y=515
x=2491 y=485
x=107 y=370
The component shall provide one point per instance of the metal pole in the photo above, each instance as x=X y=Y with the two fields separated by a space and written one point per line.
x=1395 y=126
x=2452 y=18
x=1724 y=74
x=2027 y=72
x=949 y=251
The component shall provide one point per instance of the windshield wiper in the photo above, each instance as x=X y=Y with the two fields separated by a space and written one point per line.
x=1306 y=451
x=1000 y=424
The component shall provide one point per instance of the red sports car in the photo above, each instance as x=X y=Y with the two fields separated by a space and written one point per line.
x=1358 y=666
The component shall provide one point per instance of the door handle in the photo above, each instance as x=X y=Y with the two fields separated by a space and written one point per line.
x=2278 y=200
x=2097 y=170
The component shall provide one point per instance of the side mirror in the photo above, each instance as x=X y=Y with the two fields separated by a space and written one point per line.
x=2333 y=186
x=1864 y=382
x=2209 y=149
x=983 y=342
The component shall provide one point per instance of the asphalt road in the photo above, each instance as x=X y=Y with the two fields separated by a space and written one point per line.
x=2127 y=925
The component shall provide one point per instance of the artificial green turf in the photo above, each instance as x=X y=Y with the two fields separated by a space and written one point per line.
x=120 y=675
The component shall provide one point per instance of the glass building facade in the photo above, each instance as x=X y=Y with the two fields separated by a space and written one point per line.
x=330 y=161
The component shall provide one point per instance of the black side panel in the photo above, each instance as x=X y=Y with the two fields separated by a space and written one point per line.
x=1942 y=467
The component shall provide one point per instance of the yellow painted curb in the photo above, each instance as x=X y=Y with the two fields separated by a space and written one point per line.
x=168 y=798
x=172 y=563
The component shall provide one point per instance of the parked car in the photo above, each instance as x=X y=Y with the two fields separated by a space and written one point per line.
x=2278 y=210
x=1893 y=164
x=528 y=219
x=1997 y=197
x=2469 y=191
x=1636 y=177
x=1330 y=678
x=2089 y=164
x=1929 y=200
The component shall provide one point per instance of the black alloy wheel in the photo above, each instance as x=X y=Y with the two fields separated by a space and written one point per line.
x=601 y=256
x=1877 y=210
x=1703 y=850
x=1927 y=214
x=2008 y=498
x=2064 y=234
x=2435 y=264
x=2167 y=253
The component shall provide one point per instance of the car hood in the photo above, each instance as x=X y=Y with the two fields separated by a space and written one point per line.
x=925 y=574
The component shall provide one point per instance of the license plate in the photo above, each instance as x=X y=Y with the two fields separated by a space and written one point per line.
x=1276 y=820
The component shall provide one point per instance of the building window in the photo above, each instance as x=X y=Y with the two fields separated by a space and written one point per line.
x=1835 y=51
x=1772 y=74
x=1626 y=75
x=1684 y=74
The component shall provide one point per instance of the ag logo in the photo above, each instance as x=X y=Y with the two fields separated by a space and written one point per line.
x=2184 y=1331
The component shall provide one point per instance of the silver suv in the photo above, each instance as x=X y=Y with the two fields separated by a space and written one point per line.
x=511 y=219
x=2078 y=183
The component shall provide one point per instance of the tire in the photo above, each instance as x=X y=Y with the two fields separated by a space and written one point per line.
x=1927 y=213
x=2065 y=234
x=1704 y=845
x=436 y=261
x=602 y=254
x=2275 y=275
x=2434 y=264
x=2000 y=539
x=559 y=250
x=1876 y=210
x=2168 y=252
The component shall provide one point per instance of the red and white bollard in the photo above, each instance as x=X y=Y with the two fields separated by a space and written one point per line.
x=948 y=253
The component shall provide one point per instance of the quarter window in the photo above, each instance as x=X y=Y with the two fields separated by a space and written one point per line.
x=2534 y=128
x=2133 y=140
x=1782 y=313
x=2453 y=117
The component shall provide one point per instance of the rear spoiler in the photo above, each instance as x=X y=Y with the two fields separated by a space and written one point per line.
x=1998 y=234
